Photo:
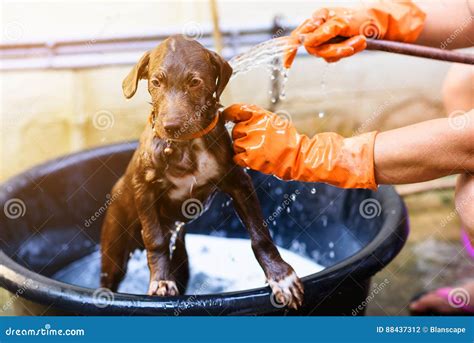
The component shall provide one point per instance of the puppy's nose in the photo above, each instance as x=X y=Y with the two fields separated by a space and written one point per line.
x=171 y=126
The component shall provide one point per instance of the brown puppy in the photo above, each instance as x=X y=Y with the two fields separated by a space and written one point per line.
x=184 y=154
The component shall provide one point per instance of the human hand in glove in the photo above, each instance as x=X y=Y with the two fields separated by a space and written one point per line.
x=391 y=20
x=269 y=143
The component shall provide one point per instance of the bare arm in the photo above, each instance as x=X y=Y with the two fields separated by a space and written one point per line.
x=449 y=23
x=426 y=150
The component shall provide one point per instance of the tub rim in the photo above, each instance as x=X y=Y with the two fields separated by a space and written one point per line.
x=41 y=289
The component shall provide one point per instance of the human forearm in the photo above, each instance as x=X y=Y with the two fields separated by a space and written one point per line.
x=425 y=151
x=269 y=143
x=448 y=24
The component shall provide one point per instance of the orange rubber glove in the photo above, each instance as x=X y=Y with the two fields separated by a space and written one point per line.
x=392 y=20
x=267 y=142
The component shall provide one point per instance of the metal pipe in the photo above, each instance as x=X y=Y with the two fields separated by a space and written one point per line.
x=84 y=53
x=118 y=50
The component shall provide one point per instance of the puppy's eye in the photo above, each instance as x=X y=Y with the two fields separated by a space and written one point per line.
x=195 y=82
x=155 y=83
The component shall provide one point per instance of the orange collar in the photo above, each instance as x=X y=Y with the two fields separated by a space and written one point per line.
x=194 y=135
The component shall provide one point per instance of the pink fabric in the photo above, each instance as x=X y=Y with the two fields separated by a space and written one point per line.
x=467 y=243
x=444 y=293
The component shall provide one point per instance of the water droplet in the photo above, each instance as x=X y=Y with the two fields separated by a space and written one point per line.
x=288 y=210
x=331 y=245
x=324 y=220
x=293 y=197
x=273 y=100
x=313 y=190
x=321 y=114
x=332 y=254
x=274 y=223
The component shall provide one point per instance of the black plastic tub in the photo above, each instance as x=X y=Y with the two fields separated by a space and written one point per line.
x=353 y=233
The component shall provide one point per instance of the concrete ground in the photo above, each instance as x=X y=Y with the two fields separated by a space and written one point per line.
x=433 y=256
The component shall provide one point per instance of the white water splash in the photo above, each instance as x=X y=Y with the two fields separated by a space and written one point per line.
x=217 y=264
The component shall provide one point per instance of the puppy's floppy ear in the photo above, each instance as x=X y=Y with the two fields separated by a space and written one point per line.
x=139 y=71
x=224 y=72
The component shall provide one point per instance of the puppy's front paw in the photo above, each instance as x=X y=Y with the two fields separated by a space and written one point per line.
x=287 y=291
x=163 y=288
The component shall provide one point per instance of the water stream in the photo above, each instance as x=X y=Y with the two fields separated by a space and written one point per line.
x=263 y=54
x=269 y=54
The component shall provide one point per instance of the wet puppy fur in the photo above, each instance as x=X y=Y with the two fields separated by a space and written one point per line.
x=185 y=81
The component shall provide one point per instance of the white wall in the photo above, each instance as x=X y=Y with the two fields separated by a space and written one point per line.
x=48 y=113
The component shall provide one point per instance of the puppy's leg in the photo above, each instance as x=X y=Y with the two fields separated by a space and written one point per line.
x=180 y=263
x=156 y=238
x=281 y=277
x=115 y=248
